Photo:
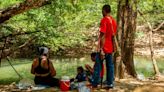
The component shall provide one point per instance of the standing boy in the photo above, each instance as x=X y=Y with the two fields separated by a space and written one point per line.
x=108 y=29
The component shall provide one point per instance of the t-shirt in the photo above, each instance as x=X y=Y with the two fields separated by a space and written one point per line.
x=106 y=28
x=81 y=77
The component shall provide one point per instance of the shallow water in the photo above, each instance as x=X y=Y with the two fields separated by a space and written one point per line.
x=68 y=67
x=144 y=65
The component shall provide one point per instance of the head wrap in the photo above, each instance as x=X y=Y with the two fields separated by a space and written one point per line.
x=43 y=50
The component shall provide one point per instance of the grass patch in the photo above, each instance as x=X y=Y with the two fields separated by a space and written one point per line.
x=8 y=75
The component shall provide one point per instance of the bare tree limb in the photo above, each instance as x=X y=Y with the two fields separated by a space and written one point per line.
x=156 y=69
x=151 y=28
x=9 y=51
x=26 y=43
x=14 y=68
x=6 y=14
x=159 y=26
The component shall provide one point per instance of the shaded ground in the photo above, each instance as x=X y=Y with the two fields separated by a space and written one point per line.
x=124 y=85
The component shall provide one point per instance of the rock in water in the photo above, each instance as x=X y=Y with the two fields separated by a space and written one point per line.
x=141 y=77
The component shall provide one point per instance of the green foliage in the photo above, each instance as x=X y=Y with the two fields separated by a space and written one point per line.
x=61 y=24
x=64 y=23
x=153 y=10
x=7 y=3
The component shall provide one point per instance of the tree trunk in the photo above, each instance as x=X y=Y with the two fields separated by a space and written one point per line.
x=118 y=63
x=127 y=15
x=6 y=14
x=156 y=70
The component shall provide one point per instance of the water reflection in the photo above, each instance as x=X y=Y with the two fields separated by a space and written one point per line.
x=143 y=65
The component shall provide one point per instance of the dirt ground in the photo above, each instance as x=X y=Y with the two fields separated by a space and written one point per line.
x=123 y=85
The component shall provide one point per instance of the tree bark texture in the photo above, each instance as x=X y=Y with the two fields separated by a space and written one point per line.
x=127 y=15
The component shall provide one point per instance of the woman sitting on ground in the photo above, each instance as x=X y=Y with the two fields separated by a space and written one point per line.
x=43 y=69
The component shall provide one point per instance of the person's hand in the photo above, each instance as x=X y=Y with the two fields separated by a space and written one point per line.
x=98 y=49
x=102 y=52
x=87 y=66
x=102 y=56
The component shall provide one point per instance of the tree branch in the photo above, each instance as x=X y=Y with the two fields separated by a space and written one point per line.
x=159 y=26
x=2 y=50
x=6 y=14
x=151 y=28
x=9 y=51
x=156 y=69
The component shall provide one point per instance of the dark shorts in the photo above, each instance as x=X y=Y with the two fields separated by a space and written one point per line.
x=48 y=81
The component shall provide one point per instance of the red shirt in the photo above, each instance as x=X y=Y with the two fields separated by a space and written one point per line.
x=106 y=28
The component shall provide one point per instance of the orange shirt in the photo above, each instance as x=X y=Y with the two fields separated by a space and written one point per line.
x=106 y=28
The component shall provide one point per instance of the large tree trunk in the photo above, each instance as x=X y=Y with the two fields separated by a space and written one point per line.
x=127 y=15
x=118 y=63
x=6 y=14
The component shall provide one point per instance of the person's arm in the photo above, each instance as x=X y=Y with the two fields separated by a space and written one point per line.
x=52 y=69
x=114 y=24
x=33 y=67
x=101 y=41
x=89 y=68
x=101 y=38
